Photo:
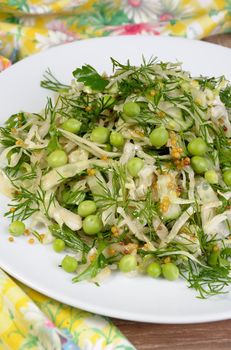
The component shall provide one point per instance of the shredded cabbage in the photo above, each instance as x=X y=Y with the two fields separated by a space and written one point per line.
x=109 y=167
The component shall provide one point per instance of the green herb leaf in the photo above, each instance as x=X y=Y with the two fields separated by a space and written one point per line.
x=89 y=76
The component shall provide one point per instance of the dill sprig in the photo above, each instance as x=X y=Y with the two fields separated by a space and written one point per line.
x=69 y=197
x=16 y=175
x=117 y=194
x=12 y=172
x=51 y=83
x=221 y=143
x=207 y=281
x=6 y=137
x=95 y=266
x=146 y=210
x=225 y=96
x=207 y=82
x=25 y=203
x=72 y=239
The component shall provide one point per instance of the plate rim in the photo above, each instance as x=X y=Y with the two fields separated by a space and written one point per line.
x=106 y=38
x=123 y=315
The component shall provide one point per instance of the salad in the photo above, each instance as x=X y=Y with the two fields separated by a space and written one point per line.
x=128 y=172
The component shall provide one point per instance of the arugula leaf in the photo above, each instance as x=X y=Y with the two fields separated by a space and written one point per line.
x=90 y=77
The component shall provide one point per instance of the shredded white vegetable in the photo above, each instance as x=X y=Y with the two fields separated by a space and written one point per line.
x=127 y=170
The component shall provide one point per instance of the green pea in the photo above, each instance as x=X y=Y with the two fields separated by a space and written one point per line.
x=69 y=264
x=197 y=147
x=170 y=271
x=58 y=245
x=211 y=176
x=199 y=164
x=134 y=166
x=100 y=135
x=92 y=225
x=57 y=158
x=127 y=263
x=227 y=177
x=86 y=208
x=108 y=147
x=131 y=109
x=72 y=125
x=116 y=139
x=17 y=228
x=154 y=270
x=159 y=137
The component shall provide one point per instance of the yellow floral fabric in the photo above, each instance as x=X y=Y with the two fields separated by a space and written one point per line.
x=29 y=26
x=29 y=320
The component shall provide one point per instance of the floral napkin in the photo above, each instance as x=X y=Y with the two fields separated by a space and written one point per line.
x=28 y=319
x=29 y=26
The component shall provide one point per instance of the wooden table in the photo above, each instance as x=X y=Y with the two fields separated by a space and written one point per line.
x=204 y=336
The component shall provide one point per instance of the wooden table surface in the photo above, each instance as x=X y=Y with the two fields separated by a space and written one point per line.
x=204 y=336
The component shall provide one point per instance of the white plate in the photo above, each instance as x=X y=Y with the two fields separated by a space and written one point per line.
x=140 y=298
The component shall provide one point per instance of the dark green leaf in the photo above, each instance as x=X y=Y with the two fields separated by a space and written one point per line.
x=89 y=76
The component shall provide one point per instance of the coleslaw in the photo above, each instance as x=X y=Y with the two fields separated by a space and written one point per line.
x=129 y=171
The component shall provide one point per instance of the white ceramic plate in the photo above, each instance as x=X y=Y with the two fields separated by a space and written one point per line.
x=140 y=298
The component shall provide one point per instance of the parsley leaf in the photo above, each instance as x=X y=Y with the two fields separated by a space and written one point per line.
x=90 y=77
